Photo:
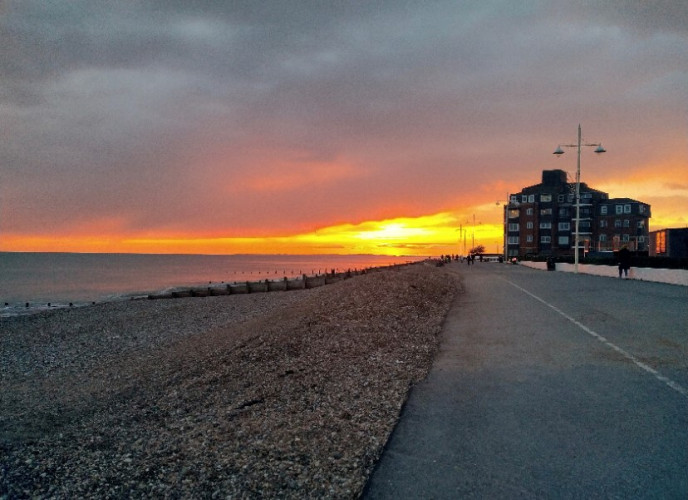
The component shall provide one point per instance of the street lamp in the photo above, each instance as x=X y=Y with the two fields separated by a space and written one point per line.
x=560 y=152
x=462 y=236
x=473 y=231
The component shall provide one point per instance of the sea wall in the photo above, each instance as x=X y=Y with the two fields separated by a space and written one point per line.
x=670 y=276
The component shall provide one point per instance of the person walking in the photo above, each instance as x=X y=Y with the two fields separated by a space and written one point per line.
x=624 y=261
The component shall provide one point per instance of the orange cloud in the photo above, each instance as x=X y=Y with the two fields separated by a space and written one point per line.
x=435 y=234
x=292 y=176
x=664 y=187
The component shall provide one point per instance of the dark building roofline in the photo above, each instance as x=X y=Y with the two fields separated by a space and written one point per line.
x=571 y=186
x=625 y=200
x=673 y=229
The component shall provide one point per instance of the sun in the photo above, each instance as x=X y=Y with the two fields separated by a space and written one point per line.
x=394 y=231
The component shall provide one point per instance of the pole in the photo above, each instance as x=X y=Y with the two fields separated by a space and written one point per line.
x=577 y=237
x=473 y=232
x=506 y=228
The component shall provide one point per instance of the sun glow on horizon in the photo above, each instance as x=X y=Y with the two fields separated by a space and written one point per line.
x=453 y=231
x=418 y=236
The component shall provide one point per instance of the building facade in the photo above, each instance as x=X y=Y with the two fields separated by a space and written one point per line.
x=669 y=243
x=540 y=220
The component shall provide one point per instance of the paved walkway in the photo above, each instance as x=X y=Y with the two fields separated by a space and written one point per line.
x=548 y=385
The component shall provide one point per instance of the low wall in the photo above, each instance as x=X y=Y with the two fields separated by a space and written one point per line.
x=272 y=286
x=542 y=266
x=670 y=276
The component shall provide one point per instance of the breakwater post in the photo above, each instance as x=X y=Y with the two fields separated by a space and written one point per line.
x=304 y=282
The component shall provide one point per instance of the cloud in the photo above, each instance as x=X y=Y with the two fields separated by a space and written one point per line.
x=253 y=118
x=645 y=18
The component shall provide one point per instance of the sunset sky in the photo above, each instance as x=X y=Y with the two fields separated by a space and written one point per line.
x=393 y=127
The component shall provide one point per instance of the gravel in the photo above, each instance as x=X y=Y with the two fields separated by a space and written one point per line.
x=279 y=395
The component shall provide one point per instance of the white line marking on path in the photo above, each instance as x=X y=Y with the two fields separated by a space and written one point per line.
x=677 y=387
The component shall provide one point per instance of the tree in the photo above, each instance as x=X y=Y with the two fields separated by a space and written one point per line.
x=477 y=250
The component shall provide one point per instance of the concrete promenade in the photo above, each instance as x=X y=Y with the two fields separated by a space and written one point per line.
x=548 y=385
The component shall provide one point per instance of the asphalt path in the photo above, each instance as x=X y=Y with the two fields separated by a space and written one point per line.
x=548 y=385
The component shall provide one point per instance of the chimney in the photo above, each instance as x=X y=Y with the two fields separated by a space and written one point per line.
x=553 y=177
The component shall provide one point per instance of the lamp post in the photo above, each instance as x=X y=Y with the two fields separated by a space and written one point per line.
x=560 y=152
x=506 y=228
x=462 y=236
x=473 y=231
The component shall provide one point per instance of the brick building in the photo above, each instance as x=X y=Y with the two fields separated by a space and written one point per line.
x=541 y=220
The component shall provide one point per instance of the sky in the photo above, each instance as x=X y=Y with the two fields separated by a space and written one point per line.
x=392 y=127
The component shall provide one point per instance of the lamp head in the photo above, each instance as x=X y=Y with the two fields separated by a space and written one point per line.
x=558 y=151
x=600 y=149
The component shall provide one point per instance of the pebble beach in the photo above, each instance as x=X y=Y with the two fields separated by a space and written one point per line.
x=274 y=395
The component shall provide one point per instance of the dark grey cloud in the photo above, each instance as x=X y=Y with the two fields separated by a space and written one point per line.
x=153 y=111
x=640 y=16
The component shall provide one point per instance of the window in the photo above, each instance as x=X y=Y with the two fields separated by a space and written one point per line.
x=564 y=226
x=546 y=211
x=626 y=237
x=524 y=198
x=513 y=213
x=529 y=238
x=586 y=196
x=545 y=225
x=617 y=223
x=560 y=198
x=619 y=209
x=603 y=237
x=603 y=210
x=627 y=209
x=529 y=211
x=531 y=198
x=545 y=198
x=563 y=240
x=660 y=242
x=564 y=212
x=641 y=224
x=513 y=198
x=569 y=198
x=642 y=208
x=626 y=223
x=545 y=239
x=603 y=223
x=512 y=240
x=641 y=239
x=529 y=225
x=584 y=224
x=513 y=226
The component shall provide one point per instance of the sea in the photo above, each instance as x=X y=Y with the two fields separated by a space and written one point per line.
x=32 y=282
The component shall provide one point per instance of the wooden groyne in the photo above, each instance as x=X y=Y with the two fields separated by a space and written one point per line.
x=214 y=289
x=283 y=285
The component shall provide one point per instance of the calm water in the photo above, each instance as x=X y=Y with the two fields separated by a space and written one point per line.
x=61 y=278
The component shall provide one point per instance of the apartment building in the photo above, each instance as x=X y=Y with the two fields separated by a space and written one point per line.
x=541 y=219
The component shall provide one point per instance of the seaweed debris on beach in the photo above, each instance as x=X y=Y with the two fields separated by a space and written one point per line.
x=285 y=394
